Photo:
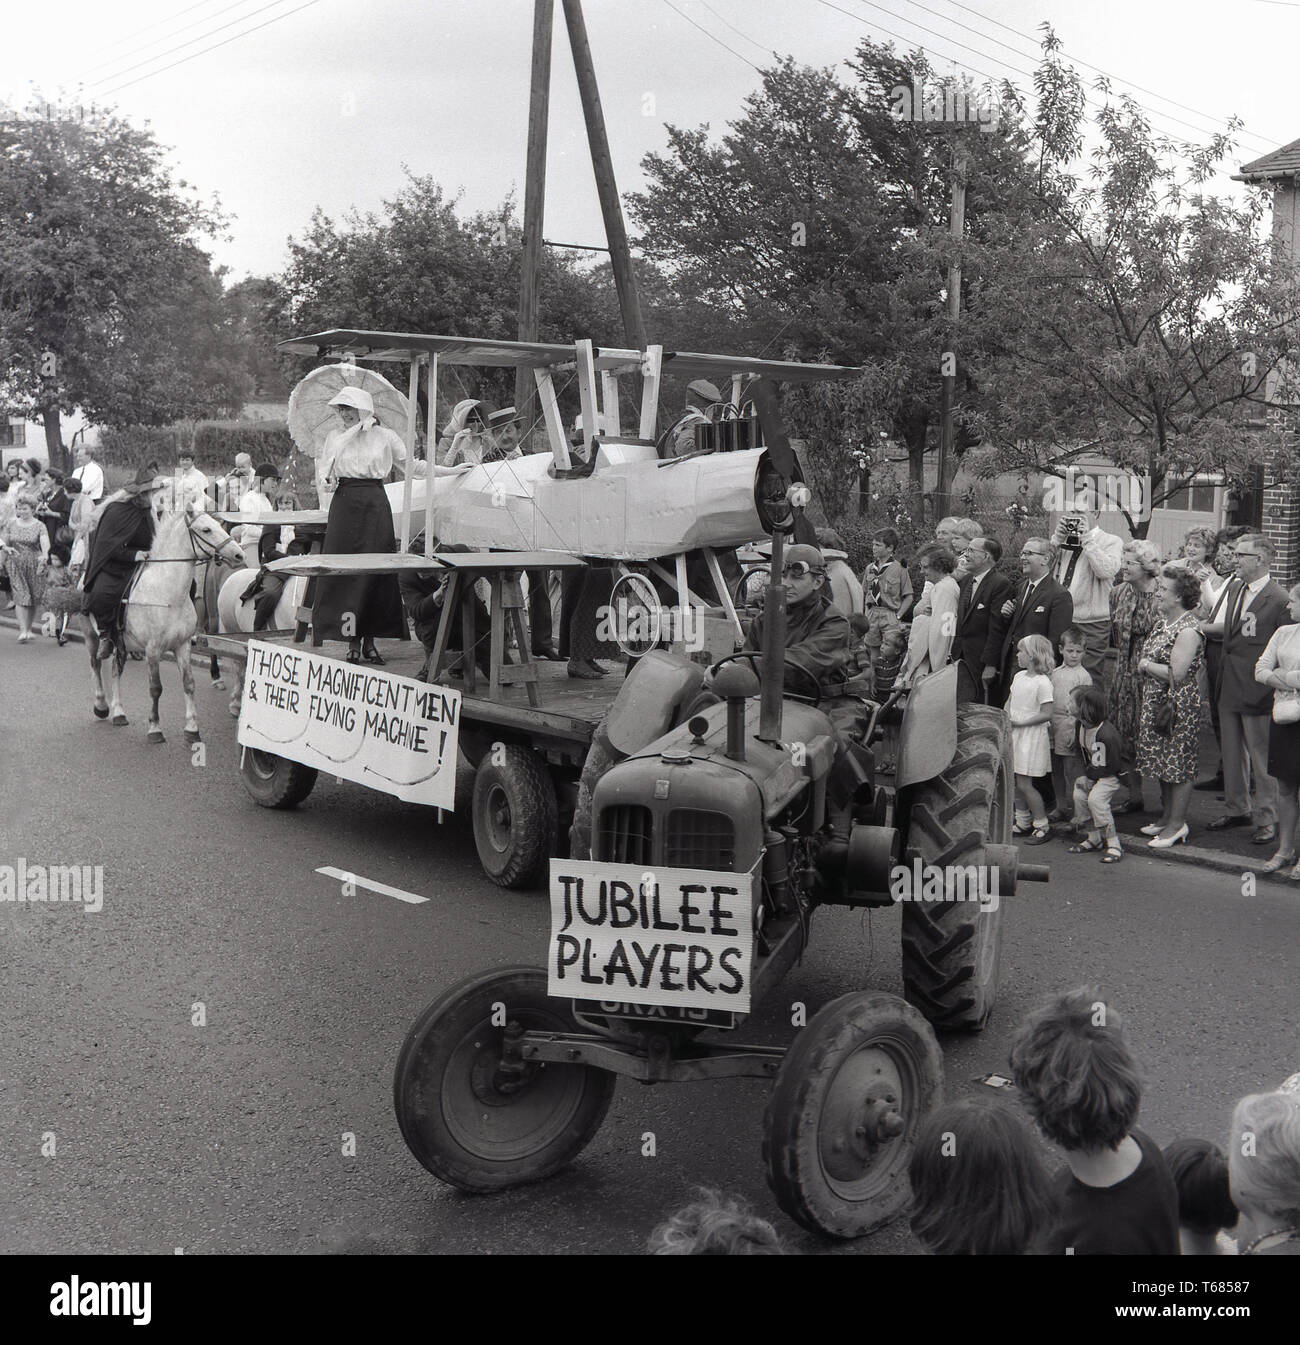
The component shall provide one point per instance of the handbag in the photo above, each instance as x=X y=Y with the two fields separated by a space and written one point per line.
x=1286 y=707
x=1163 y=723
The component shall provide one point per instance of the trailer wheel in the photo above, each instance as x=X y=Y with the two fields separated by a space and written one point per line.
x=515 y=815
x=842 y=1119
x=275 y=782
x=951 y=948
x=466 y=1123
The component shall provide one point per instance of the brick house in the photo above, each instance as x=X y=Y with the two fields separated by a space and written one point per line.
x=1281 y=503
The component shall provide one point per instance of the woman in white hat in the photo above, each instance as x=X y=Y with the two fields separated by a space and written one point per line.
x=355 y=462
x=465 y=440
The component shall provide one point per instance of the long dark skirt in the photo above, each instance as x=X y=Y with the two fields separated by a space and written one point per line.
x=363 y=606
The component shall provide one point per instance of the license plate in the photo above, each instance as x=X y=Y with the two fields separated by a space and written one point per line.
x=664 y=1013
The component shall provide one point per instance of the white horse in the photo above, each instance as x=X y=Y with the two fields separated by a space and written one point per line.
x=239 y=615
x=159 y=617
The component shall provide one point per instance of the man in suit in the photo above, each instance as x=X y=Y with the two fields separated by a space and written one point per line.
x=1255 y=607
x=1039 y=606
x=980 y=625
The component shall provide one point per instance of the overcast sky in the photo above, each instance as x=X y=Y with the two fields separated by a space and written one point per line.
x=324 y=103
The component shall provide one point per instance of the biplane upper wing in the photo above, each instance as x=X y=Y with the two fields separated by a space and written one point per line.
x=390 y=346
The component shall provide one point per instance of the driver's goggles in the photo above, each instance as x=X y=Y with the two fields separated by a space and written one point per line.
x=797 y=569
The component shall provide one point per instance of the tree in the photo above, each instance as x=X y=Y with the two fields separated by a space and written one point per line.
x=420 y=267
x=1146 y=318
x=818 y=224
x=107 y=304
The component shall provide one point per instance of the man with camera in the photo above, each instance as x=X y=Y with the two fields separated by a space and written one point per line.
x=1088 y=559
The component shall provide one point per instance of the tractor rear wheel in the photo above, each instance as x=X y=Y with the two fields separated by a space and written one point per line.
x=951 y=948
x=474 y=1124
x=842 y=1119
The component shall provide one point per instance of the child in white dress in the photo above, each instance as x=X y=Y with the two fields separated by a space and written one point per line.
x=1029 y=707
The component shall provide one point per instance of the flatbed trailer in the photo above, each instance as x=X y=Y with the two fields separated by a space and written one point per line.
x=527 y=758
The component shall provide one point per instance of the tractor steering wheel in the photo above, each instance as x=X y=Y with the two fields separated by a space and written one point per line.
x=800 y=685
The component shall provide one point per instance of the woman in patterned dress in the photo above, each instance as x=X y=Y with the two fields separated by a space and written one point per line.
x=25 y=544
x=1170 y=666
x=1132 y=614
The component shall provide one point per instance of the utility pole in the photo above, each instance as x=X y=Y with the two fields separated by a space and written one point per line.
x=956 y=231
x=534 y=195
x=610 y=207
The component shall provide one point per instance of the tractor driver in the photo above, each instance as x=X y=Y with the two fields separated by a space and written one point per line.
x=816 y=632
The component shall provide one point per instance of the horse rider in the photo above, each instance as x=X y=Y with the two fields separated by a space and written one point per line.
x=121 y=541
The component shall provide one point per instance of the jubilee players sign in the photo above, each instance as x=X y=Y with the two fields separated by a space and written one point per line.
x=678 y=937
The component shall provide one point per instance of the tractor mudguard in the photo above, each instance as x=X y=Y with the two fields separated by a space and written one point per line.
x=646 y=703
x=927 y=741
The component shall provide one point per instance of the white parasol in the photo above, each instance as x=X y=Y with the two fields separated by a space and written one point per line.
x=311 y=417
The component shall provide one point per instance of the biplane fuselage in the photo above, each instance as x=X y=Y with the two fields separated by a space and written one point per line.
x=632 y=507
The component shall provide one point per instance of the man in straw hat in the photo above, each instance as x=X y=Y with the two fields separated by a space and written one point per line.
x=121 y=541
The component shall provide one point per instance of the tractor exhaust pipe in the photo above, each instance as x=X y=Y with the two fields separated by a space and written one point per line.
x=773 y=693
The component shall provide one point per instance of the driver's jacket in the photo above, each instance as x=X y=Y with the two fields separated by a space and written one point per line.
x=816 y=642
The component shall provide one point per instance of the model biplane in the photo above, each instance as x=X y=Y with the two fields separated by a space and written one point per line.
x=617 y=500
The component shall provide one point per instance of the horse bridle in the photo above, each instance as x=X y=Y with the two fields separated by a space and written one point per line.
x=199 y=548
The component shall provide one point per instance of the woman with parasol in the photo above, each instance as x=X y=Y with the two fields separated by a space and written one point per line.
x=354 y=463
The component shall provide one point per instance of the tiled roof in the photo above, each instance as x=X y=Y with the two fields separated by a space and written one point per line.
x=1284 y=162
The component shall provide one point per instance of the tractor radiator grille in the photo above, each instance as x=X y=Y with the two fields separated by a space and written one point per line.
x=700 y=840
x=624 y=834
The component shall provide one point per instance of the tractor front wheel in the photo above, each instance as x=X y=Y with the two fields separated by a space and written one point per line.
x=842 y=1119
x=478 y=1120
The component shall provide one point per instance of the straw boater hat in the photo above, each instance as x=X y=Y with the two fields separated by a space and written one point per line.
x=505 y=416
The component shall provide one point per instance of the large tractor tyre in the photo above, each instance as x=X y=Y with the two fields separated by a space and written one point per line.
x=515 y=815
x=951 y=948
x=275 y=782
x=842 y=1120
x=472 y=1125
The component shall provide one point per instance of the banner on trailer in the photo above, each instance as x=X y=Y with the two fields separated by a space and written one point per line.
x=681 y=937
x=389 y=733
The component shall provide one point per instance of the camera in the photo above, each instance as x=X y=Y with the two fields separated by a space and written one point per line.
x=1072 y=530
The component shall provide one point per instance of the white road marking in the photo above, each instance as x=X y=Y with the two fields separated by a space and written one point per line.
x=371 y=886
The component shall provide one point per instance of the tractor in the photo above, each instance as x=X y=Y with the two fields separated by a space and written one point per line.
x=769 y=796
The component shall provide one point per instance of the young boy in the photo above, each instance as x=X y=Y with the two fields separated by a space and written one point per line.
x=1098 y=748
x=1070 y=677
x=1205 y=1207
x=886 y=589
x=1080 y=1083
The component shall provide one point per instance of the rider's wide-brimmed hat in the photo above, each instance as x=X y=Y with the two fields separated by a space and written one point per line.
x=144 y=480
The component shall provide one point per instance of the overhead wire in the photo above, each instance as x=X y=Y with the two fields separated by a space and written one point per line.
x=984 y=55
x=713 y=37
x=117 y=88
x=207 y=18
x=1029 y=37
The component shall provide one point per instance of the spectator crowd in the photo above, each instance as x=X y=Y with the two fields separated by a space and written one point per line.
x=983 y=1182
x=1108 y=659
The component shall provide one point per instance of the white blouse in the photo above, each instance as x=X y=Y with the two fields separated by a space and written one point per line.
x=366 y=453
x=1282 y=655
